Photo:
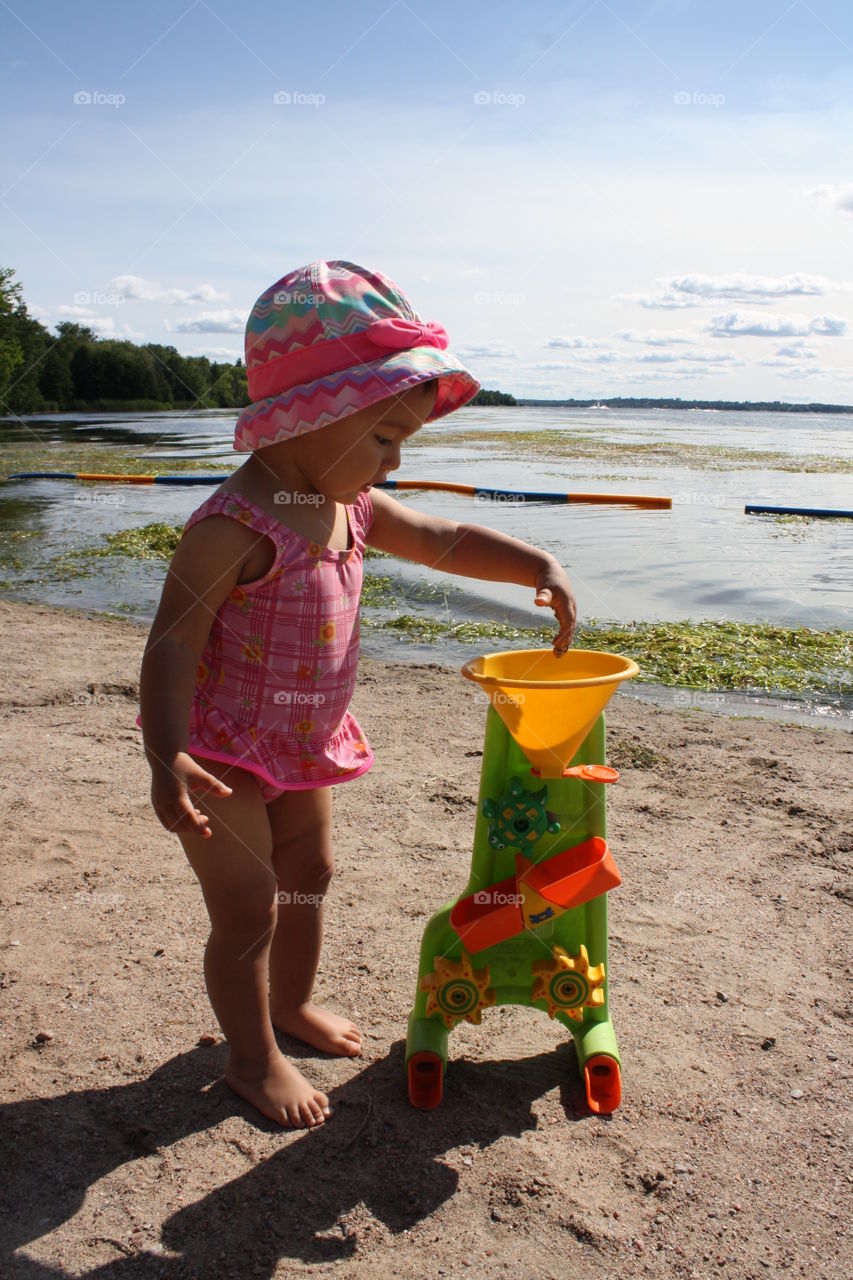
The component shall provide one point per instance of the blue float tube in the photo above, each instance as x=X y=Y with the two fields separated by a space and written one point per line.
x=818 y=513
x=73 y=475
x=43 y=475
x=472 y=491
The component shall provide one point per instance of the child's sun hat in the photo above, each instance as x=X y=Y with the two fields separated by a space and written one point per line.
x=330 y=339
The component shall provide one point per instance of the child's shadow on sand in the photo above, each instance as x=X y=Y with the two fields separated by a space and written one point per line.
x=376 y=1150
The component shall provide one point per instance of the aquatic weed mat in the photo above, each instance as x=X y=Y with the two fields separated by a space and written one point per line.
x=507 y=445
x=705 y=655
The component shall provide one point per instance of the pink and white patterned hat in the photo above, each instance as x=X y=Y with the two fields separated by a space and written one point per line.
x=330 y=339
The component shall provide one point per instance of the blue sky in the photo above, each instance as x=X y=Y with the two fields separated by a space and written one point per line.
x=644 y=198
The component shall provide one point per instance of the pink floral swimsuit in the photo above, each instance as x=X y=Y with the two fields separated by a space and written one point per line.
x=277 y=675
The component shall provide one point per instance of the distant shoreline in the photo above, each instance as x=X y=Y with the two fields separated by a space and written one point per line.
x=639 y=402
x=506 y=401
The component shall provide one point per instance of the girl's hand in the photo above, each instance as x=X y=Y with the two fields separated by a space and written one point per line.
x=171 y=784
x=553 y=588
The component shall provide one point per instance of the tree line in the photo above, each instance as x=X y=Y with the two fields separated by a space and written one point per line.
x=74 y=369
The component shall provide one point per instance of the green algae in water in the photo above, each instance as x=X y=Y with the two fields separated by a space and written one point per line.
x=377 y=593
x=551 y=443
x=697 y=655
x=105 y=460
x=155 y=541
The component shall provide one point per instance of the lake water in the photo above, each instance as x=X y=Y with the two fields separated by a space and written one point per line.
x=704 y=559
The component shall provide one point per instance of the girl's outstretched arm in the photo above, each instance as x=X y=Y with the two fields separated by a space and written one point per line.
x=474 y=551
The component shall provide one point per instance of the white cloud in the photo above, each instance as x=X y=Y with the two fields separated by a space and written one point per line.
x=486 y=351
x=741 y=324
x=137 y=289
x=226 y=321
x=838 y=195
x=672 y=377
x=663 y=300
x=711 y=357
x=572 y=344
x=76 y=313
x=741 y=287
x=550 y=365
x=796 y=351
x=674 y=292
x=659 y=357
x=600 y=357
x=217 y=353
x=655 y=337
x=105 y=327
x=828 y=326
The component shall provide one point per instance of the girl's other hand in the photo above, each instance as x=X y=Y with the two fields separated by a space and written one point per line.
x=554 y=589
x=171 y=785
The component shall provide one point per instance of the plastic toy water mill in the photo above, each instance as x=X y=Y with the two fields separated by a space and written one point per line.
x=530 y=927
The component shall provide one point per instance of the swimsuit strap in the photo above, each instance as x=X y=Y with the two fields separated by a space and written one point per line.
x=242 y=509
x=359 y=519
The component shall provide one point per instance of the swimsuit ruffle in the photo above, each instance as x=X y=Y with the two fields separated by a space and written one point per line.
x=280 y=760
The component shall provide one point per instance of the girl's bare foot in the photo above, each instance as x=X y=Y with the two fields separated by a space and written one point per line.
x=281 y=1092
x=320 y=1028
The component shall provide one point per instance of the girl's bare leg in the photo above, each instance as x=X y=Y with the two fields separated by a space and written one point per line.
x=234 y=868
x=301 y=828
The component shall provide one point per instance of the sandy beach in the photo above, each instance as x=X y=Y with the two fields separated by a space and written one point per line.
x=730 y=972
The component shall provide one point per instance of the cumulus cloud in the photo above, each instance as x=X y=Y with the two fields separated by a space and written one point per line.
x=76 y=313
x=796 y=351
x=226 y=321
x=572 y=344
x=655 y=337
x=786 y=364
x=659 y=357
x=711 y=357
x=106 y=327
x=217 y=353
x=838 y=195
x=742 y=324
x=674 y=292
x=137 y=289
x=672 y=377
x=486 y=351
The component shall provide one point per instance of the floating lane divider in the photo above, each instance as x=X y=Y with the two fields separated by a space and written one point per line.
x=816 y=513
x=472 y=491
x=114 y=479
x=476 y=491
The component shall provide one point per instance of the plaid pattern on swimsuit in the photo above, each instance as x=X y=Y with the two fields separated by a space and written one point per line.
x=278 y=672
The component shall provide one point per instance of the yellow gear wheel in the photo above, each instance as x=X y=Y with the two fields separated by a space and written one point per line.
x=567 y=983
x=457 y=991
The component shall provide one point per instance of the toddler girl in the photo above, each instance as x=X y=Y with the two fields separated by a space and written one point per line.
x=250 y=665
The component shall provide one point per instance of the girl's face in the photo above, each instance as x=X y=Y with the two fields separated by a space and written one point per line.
x=345 y=458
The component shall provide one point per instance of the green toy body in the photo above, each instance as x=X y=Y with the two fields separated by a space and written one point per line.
x=515 y=938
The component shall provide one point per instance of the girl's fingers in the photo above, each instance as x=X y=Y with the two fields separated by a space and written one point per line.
x=207 y=782
x=183 y=816
x=564 y=614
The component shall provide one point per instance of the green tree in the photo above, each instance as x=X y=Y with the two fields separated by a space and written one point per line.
x=23 y=343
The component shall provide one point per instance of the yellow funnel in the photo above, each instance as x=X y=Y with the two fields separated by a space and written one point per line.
x=549 y=704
